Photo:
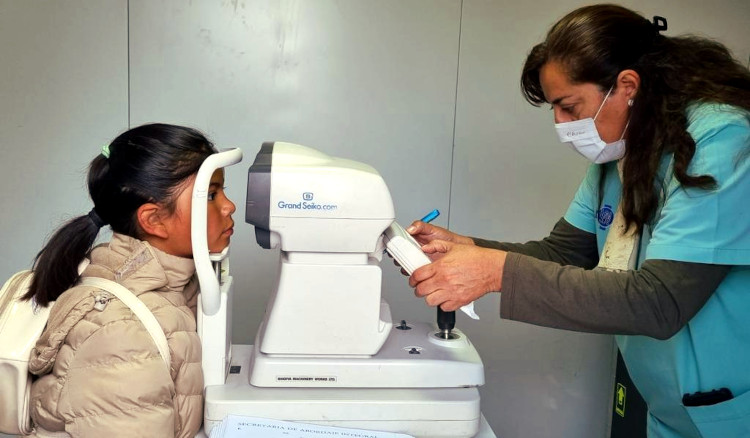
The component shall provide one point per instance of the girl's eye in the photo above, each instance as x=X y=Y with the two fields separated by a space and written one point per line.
x=211 y=196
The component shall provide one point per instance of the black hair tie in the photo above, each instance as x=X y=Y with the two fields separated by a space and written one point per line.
x=659 y=23
x=96 y=219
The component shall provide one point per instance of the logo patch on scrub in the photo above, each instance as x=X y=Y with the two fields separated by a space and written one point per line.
x=605 y=216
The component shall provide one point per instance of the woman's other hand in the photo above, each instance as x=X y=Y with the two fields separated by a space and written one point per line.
x=458 y=275
x=425 y=233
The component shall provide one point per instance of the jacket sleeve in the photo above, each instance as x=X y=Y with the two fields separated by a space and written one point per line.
x=656 y=300
x=116 y=382
x=566 y=245
x=188 y=382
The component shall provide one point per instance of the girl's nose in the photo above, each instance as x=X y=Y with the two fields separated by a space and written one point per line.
x=228 y=208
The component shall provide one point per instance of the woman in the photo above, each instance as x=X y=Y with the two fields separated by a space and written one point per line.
x=655 y=246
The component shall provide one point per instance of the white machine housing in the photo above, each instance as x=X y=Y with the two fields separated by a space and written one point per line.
x=327 y=351
x=327 y=216
x=315 y=203
x=326 y=324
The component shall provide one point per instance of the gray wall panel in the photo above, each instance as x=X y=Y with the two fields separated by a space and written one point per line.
x=63 y=94
x=512 y=180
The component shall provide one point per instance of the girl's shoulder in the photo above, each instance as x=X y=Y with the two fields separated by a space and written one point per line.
x=68 y=324
x=83 y=312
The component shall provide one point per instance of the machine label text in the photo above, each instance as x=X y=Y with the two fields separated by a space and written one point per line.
x=304 y=205
x=305 y=379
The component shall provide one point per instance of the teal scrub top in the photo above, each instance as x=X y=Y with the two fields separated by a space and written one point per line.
x=692 y=225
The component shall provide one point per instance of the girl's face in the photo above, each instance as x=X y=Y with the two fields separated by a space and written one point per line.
x=219 y=222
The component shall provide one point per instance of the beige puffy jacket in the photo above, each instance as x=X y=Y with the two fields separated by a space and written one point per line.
x=101 y=373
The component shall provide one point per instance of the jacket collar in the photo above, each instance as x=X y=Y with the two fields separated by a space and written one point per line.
x=139 y=266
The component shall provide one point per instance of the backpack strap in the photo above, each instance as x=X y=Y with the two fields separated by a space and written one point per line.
x=139 y=309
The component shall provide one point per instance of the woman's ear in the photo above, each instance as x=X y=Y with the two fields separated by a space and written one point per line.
x=150 y=219
x=629 y=81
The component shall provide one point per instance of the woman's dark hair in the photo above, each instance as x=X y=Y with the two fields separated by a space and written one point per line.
x=595 y=43
x=149 y=163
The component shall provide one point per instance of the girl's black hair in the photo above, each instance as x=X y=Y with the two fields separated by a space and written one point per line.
x=149 y=163
x=595 y=43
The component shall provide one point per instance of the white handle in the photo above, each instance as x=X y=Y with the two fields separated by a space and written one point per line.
x=210 y=298
x=139 y=309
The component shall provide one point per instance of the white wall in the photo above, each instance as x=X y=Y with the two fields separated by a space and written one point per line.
x=63 y=95
x=426 y=91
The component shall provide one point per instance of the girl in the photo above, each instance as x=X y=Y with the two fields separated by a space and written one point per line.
x=100 y=372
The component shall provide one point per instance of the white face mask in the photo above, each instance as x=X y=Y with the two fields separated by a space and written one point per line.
x=583 y=137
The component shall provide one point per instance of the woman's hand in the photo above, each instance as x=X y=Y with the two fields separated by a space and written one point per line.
x=458 y=275
x=425 y=233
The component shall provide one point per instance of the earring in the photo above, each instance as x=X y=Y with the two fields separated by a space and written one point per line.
x=630 y=102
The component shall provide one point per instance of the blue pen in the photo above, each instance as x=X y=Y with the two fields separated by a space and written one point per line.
x=429 y=217
x=446 y=321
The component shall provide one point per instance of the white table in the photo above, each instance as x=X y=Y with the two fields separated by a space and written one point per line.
x=485 y=431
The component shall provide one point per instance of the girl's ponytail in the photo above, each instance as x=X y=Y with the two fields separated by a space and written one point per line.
x=149 y=163
x=56 y=265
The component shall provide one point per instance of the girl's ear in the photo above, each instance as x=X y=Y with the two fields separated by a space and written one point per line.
x=150 y=220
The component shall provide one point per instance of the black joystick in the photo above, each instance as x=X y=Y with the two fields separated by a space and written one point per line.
x=446 y=321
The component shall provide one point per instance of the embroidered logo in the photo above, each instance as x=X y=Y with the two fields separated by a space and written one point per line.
x=605 y=216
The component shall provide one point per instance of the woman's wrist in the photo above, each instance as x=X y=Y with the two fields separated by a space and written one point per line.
x=498 y=269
